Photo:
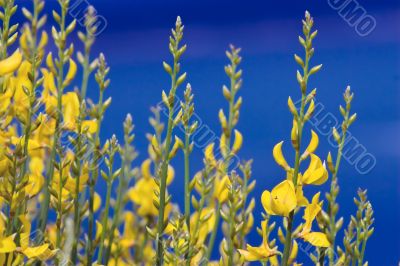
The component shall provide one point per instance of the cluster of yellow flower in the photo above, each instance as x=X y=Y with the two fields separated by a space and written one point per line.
x=51 y=157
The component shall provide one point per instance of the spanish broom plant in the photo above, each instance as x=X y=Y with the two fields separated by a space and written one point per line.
x=52 y=155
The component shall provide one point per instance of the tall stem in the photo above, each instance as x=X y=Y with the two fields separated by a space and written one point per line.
x=50 y=166
x=300 y=123
x=105 y=221
x=93 y=180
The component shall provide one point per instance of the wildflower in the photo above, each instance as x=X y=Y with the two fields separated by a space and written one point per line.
x=42 y=252
x=281 y=200
x=11 y=63
x=317 y=239
x=7 y=244
x=142 y=193
x=316 y=174
x=262 y=252
x=278 y=156
x=71 y=112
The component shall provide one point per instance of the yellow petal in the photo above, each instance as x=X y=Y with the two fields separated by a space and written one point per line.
x=294 y=135
x=266 y=201
x=283 y=198
x=43 y=40
x=248 y=256
x=36 y=252
x=11 y=63
x=50 y=62
x=312 y=146
x=71 y=72
x=237 y=144
x=317 y=239
x=316 y=173
x=35 y=184
x=293 y=252
x=70 y=102
x=145 y=169
x=209 y=154
x=221 y=189
x=223 y=147
x=278 y=156
x=170 y=174
x=7 y=244
x=97 y=202
x=99 y=229
x=26 y=231
x=90 y=126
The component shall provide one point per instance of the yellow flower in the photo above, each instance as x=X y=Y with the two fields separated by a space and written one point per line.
x=11 y=63
x=41 y=252
x=312 y=146
x=36 y=179
x=142 y=194
x=316 y=173
x=262 y=252
x=206 y=227
x=6 y=243
x=317 y=239
x=209 y=154
x=281 y=200
x=71 y=112
x=71 y=73
x=278 y=156
x=237 y=144
x=221 y=189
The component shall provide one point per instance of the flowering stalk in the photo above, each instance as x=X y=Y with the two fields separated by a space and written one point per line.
x=87 y=39
x=228 y=125
x=64 y=54
x=306 y=42
x=8 y=33
x=98 y=113
x=128 y=154
x=34 y=52
x=358 y=232
x=188 y=109
x=332 y=225
x=189 y=129
x=112 y=150
x=169 y=100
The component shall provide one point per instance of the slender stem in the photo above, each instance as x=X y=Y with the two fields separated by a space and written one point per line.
x=332 y=203
x=93 y=180
x=187 y=180
x=59 y=207
x=364 y=245
x=300 y=123
x=105 y=222
x=50 y=166
x=214 y=233
x=164 y=169
x=288 y=239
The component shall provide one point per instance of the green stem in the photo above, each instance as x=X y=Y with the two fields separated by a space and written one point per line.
x=50 y=166
x=364 y=245
x=164 y=169
x=300 y=122
x=332 y=203
x=92 y=182
x=187 y=181
x=59 y=208
x=288 y=238
x=214 y=233
x=105 y=221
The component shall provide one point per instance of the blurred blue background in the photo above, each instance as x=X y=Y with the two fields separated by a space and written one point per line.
x=135 y=41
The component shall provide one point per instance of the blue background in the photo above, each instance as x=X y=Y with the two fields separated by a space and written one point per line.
x=135 y=42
